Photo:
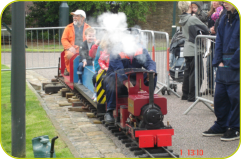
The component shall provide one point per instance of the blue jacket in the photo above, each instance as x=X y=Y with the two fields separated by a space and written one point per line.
x=227 y=40
x=97 y=56
x=118 y=62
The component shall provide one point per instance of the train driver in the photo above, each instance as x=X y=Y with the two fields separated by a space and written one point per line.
x=139 y=59
x=73 y=37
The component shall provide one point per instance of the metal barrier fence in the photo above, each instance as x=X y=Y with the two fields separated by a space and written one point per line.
x=43 y=47
x=204 y=72
x=157 y=46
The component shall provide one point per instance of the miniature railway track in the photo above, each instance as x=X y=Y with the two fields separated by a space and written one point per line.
x=157 y=152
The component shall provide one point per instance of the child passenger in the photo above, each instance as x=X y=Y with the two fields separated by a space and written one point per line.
x=197 y=11
x=85 y=59
x=104 y=60
x=101 y=61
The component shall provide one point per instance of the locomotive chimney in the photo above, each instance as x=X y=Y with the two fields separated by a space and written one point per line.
x=151 y=90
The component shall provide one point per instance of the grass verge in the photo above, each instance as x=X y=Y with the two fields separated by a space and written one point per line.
x=37 y=121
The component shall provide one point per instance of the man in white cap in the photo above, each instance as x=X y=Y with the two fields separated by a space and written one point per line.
x=73 y=36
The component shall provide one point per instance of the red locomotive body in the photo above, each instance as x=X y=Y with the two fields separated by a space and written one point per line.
x=142 y=117
x=136 y=102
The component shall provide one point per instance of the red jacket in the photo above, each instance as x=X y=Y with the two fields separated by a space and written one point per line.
x=93 y=51
x=104 y=60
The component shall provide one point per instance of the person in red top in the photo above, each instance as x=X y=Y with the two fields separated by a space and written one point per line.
x=94 y=48
x=104 y=60
x=73 y=36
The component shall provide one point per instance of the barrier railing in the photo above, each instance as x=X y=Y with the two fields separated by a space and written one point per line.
x=43 y=47
x=157 y=44
x=204 y=82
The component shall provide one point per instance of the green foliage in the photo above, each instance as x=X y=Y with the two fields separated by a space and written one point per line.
x=6 y=16
x=46 y=14
x=37 y=122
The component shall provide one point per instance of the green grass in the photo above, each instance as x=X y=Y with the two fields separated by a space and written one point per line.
x=34 y=48
x=37 y=121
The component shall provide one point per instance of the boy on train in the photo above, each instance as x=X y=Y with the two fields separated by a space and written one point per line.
x=85 y=59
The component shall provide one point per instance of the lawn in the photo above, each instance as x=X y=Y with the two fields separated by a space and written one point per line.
x=37 y=121
x=36 y=47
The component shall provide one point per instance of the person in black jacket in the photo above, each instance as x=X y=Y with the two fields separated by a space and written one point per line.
x=85 y=59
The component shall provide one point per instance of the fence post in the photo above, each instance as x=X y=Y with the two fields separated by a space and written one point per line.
x=63 y=16
x=18 y=81
x=174 y=19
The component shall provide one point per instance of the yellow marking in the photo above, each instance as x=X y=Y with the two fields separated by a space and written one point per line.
x=130 y=106
x=98 y=86
x=103 y=101
x=99 y=75
x=101 y=94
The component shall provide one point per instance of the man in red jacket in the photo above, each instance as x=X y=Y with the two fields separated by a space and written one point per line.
x=73 y=36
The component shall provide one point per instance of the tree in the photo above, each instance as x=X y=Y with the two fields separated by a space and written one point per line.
x=6 y=16
x=46 y=14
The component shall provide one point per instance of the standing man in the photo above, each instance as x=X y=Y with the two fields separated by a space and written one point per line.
x=73 y=37
x=227 y=59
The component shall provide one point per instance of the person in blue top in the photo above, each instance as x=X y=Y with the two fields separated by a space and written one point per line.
x=227 y=59
x=138 y=59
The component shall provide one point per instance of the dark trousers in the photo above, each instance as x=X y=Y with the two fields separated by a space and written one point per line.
x=94 y=79
x=226 y=107
x=110 y=87
x=188 y=87
x=210 y=71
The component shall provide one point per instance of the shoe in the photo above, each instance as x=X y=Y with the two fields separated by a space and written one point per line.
x=109 y=117
x=210 y=132
x=95 y=99
x=230 y=135
x=66 y=73
x=184 y=98
x=191 y=100
x=79 y=82
x=94 y=96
